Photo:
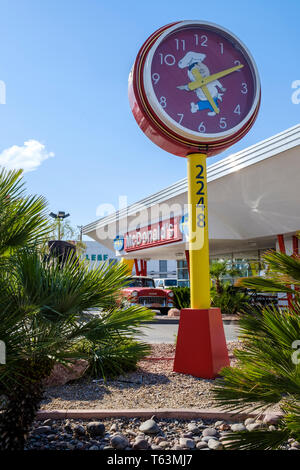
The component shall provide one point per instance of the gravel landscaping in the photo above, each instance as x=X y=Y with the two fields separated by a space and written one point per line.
x=137 y=434
x=152 y=385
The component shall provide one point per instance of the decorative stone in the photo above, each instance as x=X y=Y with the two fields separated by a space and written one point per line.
x=186 y=442
x=43 y=430
x=95 y=428
x=78 y=430
x=272 y=418
x=237 y=427
x=207 y=438
x=218 y=424
x=213 y=444
x=141 y=444
x=149 y=427
x=61 y=374
x=209 y=432
x=224 y=427
x=201 y=445
x=164 y=444
x=249 y=421
x=174 y=312
x=253 y=426
x=118 y=441
x=193 y=428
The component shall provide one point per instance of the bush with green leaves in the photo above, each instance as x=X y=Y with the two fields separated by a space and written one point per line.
x=268 y=367
x=181 y=297
x=231 y=300
x=43 y=307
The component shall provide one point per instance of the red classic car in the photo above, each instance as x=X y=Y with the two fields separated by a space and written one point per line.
x=141 y=290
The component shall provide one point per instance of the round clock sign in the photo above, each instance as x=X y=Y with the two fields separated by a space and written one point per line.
x=194 y=87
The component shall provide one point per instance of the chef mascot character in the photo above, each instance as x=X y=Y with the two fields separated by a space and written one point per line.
x=193 y=60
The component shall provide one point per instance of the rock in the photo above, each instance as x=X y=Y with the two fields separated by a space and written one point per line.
x=238 y=427
x=78 y=430
x=95 y=428
x=249 y=421
x=253 y=426
x=120 y=442
x=186 y=442
x=207 y=438
x=224 y=427
x=193 y=428
x=187 y=434
x=60 y=374
x=114 y=427
x=218 y=424
x=48 y=422
x=164 y=444
x=149 y=427
x=201 y=445
x=174 y=312
x=209 y=432
x=272 y=428
x=155 y=447
x=94 y=448
x=272 y=418
x=159 y=439
x=296 y=445
x=43 y=430
x=141 y=444
x=213 y=444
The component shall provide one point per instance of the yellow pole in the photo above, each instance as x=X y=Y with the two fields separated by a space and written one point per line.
x=198 y=231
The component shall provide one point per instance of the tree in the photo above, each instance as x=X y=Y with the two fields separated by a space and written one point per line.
x=219 y=269
x=268 y=369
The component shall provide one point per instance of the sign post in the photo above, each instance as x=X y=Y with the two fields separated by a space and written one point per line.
x=198 y=229
x=194 y=90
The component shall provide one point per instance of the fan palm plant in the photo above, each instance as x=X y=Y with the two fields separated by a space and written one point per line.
x=268 y=369
x=43 y=309
x=23 y=219
x=41 y=320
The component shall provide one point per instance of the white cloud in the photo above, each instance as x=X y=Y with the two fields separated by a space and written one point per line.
x=28 y=156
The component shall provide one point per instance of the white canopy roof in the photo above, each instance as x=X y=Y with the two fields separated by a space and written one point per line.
x=253 y=195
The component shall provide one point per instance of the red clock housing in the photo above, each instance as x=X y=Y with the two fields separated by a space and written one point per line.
x=194 y=87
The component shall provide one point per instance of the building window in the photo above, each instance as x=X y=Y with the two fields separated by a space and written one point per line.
x=183 y=273
x=163 y=268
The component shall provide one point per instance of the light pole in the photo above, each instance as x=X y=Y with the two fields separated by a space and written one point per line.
x=61 y=215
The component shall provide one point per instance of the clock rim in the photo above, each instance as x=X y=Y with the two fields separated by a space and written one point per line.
x=169 y=122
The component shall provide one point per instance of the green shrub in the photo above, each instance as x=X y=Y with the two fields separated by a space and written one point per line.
x=268 y=368
x=181 y=297
x=231 y=300
x=110 y=359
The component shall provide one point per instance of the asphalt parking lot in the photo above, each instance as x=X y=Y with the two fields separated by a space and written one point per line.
x=166 y=333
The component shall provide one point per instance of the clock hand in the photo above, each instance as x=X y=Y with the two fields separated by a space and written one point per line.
x=199 y=82
x=199 y=77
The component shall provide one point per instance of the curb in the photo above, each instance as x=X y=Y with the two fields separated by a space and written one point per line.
x=182 y=413
x=175 y=321
x=231 y=356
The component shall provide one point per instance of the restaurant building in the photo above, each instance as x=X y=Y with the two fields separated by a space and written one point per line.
x=253 y=206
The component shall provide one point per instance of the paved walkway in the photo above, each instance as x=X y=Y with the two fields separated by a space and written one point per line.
x=162 y=333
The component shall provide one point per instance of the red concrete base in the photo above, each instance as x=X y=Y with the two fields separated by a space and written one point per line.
x=201 y=348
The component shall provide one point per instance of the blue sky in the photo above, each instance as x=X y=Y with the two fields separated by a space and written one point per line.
x=65 y=64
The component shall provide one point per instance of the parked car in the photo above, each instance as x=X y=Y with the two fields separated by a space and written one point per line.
x=165 y=283
x=141 y=290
